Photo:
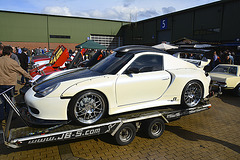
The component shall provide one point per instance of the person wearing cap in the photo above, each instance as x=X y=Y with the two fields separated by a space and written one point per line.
x=9 y=70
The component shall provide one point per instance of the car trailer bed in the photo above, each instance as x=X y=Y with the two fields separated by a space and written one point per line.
x=123 y=126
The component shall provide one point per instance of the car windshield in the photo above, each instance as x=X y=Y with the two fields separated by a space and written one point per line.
x=113 y=63
x=226 y=69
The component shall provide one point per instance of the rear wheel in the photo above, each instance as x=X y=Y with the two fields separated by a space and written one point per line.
x=87 y=107
x=192 y=94
x=125 y=134
x=154 y=128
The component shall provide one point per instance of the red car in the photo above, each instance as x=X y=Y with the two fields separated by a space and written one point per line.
x=56 y=62
x=39 y=60
x=59 y=57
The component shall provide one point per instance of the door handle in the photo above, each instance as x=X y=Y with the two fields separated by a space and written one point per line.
x=165 y=78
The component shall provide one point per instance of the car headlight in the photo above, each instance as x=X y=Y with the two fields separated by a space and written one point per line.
x=46 y=91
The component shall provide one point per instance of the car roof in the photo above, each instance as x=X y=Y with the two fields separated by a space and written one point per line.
x=134 y=49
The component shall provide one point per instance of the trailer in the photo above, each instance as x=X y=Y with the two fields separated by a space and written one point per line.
x=122 y=127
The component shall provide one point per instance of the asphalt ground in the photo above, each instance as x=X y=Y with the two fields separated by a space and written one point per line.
x=211 y=134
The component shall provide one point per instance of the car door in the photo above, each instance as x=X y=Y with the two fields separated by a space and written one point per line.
x=145 y=80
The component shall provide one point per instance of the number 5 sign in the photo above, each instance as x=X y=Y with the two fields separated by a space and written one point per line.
x=164 y=23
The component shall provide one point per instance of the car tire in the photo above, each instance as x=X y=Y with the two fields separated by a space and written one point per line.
x=87 y=107
x=153 y=128
x=237 y=90
x=125 y=134
x=192 y=94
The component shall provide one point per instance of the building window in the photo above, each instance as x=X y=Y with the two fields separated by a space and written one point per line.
x=60 y=36
x=110 y=42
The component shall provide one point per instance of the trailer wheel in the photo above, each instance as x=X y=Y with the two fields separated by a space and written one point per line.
x=125 y=134
x=154 y=128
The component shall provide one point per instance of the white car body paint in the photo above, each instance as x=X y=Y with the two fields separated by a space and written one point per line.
x=124 y=92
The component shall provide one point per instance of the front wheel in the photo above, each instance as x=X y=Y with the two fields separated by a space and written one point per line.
x=237 y=90
x=87 y=107
x=192 y=94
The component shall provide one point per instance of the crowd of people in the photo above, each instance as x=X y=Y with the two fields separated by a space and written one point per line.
x=223 y=57
x=38 y=51
x=21 y=56
x=88 y=54
x=9 y=70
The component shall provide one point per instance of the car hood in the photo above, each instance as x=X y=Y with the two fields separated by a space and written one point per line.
x=40 y=59
x=220 y=77
x=75 y=74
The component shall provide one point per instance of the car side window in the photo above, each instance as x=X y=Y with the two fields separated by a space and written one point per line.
x=148 y=63
x=233 y=70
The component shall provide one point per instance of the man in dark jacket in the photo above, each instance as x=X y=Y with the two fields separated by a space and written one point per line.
x=24 y=63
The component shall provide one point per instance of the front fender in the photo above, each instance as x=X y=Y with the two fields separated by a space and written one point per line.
x=100 y=83
x=104 y=84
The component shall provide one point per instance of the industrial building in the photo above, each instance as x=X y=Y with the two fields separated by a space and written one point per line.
x=213 y=23
x=38 y=30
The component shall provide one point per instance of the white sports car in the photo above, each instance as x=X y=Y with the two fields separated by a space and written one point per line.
x=132 y=78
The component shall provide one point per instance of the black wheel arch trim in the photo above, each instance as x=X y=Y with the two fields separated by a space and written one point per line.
x=199 y=82
x=67 y=97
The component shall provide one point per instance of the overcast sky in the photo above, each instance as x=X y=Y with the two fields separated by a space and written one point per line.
x=124 y=10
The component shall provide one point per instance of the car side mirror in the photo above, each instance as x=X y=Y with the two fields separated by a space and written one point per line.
x=131 y=70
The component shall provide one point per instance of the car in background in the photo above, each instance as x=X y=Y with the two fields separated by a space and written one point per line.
x=56 y=63
x=40 y=73
x=39 y=60
x=132 y=78
x=227 y=77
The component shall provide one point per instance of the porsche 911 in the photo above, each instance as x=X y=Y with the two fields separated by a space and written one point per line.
x=132 y=78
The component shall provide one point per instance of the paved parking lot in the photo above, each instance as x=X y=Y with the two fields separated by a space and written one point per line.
x=211 y=134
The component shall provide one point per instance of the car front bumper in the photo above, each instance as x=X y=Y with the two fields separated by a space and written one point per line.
x=46 y=108
x=33 y=121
